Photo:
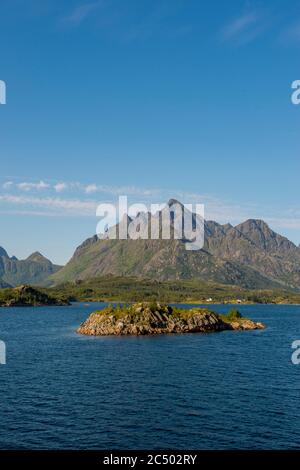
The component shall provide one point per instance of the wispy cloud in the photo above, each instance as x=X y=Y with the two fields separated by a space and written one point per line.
x=215 y=209
x=67 y=206
x=118 y=190
x=125 y=23
x=81 y=12
x=291 y=34
x=64 y=186
x=28 y=186
x=81 y=200
x=158 y=19
x=244 y=28
x=239 y=25
x=91 y=188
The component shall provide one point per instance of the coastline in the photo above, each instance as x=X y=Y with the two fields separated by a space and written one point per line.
x=183 y=302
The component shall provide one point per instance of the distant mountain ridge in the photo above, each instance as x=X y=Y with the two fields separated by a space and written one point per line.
x=33 y=270
x=249 y=255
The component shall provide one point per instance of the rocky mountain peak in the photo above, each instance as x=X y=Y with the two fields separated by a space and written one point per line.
x=37 y=257
x=33 y=270
x=259 y=233
x=253 y=224
x=3 y=253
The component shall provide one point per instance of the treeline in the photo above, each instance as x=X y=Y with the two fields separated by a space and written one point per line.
x=133 y=289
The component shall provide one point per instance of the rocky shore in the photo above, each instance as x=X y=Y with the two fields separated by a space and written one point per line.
x=152 y=319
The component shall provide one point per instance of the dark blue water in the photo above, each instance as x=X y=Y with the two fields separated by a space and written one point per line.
x=224 y=390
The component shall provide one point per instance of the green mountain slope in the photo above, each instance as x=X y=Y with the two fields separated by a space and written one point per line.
x=250 y=255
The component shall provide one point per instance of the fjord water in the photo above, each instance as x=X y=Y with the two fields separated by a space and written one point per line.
x=229 y=390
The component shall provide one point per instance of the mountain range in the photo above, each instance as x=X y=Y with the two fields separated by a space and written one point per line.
x=249 y=255
x=34 y=270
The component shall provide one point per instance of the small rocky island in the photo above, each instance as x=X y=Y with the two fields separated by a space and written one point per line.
x=27 y=296
x=154 y=318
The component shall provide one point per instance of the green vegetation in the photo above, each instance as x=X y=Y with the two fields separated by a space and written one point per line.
x=250 y=255
x=147 y=318
x=117 y=310
x=135 y=311
x=234 y=314
x=131 y=289
x=28 y=296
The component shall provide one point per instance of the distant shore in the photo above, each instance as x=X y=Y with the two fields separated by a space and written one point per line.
x=183 y=302
x=189 y=291
x=130 y=289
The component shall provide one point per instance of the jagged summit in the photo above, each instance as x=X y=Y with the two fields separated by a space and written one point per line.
x=259 y=233
x=250 y=255
x=252 y=225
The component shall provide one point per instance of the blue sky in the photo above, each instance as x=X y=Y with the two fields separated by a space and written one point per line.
x=150 y=98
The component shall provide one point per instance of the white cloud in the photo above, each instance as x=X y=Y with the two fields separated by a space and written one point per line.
x=28 y=186
x=59 y=187
x=73 y=206
x=119 y=190
x=91 y=188
x=79 y=202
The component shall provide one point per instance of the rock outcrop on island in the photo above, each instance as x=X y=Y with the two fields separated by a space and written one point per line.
x=27 y=296
x=152 y=319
